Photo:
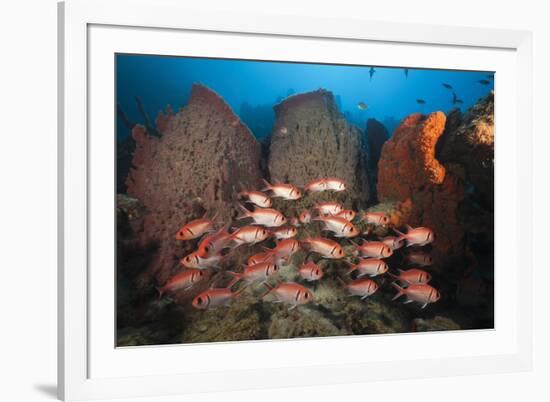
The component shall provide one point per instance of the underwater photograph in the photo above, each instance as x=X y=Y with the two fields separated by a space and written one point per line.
x=262 y=200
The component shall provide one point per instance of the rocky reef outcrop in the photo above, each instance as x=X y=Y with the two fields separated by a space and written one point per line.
x=410 y=173
x=376 y=135
x=472 y=144
x=311 y=139
x=194 y=168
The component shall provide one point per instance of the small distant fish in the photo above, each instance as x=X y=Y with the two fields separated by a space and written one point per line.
x=316 y=186
x=283 y=130
x=213 y=298
x=305 y=216
x=347 y=214
x=339 y=226
x=329 y=208
x=393 y=242
x=423 y=294
x=419 y=257
x=335 y=184
x=371 y=267
x=284 y=232
x=456 y=101
x=371 y=73
x=413 y=276
x=362 y=106
x=484 y=82
x=249 y=235
x=376 y=218
x=326 y=247
x=406 y=71
x=374 y=249
x=418 y=236
x=183 y=281
x=448 y=86
x=361 y=287
x=420 y=101
x=196 y=228
x=214 y=243
x=283 y=190
x=290 y=293
x=259 y=272
x=256 y=197
x=264 y=216
x=310 y=271
x=459 y=102
x=193 y=260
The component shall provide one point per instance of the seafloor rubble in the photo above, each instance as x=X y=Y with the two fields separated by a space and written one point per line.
x=433 y=171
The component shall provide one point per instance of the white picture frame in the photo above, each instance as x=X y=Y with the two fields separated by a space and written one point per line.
x=88 y=367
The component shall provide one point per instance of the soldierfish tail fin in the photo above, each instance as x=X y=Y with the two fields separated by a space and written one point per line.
x=161 y=292
x=267 y=185
x=401 y=234
x=239 y=292
x=351 y=268
x=246 y=212
x=400 y=290
x=408 y=227
x=236 y=278
x=341 y=281
x=269 y=289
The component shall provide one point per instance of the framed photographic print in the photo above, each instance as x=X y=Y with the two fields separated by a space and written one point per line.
x=241 y=199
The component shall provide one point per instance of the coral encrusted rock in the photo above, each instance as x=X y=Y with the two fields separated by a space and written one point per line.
x=194 y=167
x=409 y=172
x=311 y=139
x=472 y=144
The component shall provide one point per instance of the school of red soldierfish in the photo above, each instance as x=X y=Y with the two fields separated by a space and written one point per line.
x=269 y=223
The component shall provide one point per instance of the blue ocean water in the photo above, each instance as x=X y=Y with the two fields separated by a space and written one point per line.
x=251 y=88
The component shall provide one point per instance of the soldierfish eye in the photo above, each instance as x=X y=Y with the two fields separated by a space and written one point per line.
x=199 y=300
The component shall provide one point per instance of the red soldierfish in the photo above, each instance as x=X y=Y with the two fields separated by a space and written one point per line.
x=419 y=258
x=249 y=235
x=329 y=208
x=255 y=273
x=256 y=197
x=347 y=214
x=422 y=294
x=213 y=298
x=393 y=242
x=361 y=287
x=326 y=247
x=260 y=257
x=374 y=249
x=310 y=271
x=195 y=229
x=376 y=218
x=193 y=260
x=413 y=276
x=283 y=190
x=264 y=216
x=184 y=281
x=214 y=243
x=305 y=217
x=335 y=184
x=285 y=249
x=417 y=236
x=291 y=293
x=371 y=267
x=316 y=186
x=339 y=226
x=284 y=232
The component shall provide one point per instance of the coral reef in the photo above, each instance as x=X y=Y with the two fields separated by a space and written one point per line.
x=377 y=135
x=472 y=144
x=437 y=323
x=409 y=172
x=311 y=139
x=175 y=185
